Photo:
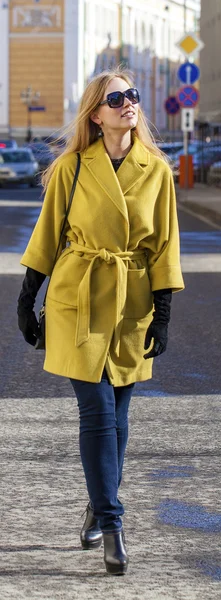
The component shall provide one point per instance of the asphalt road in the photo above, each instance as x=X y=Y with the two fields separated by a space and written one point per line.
x=172 y=477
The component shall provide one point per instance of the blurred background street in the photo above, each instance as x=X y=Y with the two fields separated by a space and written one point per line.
x=50 y=49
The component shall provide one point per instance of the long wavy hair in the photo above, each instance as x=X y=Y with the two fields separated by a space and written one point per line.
x=82 y=132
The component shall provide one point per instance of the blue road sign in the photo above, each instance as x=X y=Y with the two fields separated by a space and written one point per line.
x=171 y=105
x=36 y=108
x=188 y=73
x=188 y=96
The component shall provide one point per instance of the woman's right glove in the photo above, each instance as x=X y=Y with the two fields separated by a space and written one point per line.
x=27 y=321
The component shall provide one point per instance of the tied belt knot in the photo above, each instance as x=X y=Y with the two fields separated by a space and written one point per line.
x=83 y=316
x=108 y=257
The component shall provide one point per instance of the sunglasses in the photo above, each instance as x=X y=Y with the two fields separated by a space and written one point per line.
x=116 y=99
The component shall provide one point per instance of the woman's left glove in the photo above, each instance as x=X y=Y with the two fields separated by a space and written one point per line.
x=158 y=328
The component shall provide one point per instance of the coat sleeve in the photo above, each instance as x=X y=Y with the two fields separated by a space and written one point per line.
x=163 y=245
x=41 y=249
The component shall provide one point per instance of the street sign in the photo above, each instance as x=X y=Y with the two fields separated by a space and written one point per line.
x=171 y=105
x=36 y=108
x=188 y=73
x=187 y=119
x=190 y=44
x=188 y=96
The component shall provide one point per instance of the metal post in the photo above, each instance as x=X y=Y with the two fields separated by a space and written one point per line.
x=29 y=98
x=184 y=16
x=185 y=133
x=167 y=9
x=121 y=32
x=185 y=145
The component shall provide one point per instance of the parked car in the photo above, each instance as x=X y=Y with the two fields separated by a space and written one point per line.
x=203 y=157
x=18 y=165
x=170 y=148
x=43 y=154
x=8 y=144
x=57 y=144
x=214 y=174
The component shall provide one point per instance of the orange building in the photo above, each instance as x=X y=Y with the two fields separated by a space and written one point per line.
x=36 y=48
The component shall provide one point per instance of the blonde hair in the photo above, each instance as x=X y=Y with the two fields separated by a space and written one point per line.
x=82 y=132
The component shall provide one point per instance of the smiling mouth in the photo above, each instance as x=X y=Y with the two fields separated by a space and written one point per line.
x=129 y=113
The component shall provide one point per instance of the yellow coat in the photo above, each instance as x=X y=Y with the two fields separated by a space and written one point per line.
x=122 y=243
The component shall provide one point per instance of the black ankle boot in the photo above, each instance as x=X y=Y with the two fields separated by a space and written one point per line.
x=91 y=534
x=115 y=555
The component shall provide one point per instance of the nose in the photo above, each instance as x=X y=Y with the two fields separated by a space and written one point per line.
x=127 y=102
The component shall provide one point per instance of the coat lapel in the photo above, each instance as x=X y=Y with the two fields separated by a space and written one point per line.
x=116 y=185
x=134 y=166
x=98 y=162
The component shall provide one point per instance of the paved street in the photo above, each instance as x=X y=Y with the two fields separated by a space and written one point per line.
x=172 y=477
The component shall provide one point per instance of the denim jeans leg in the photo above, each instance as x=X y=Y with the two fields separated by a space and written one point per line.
x=99 y=449
x=122 y=400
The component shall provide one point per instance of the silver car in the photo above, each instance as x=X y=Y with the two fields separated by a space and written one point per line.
x=19 y=166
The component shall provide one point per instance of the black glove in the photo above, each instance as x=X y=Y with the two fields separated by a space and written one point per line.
x=158 y=328
x=28 y=325
x=27 y=321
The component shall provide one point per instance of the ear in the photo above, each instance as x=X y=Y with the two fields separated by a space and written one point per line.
x=95 y=118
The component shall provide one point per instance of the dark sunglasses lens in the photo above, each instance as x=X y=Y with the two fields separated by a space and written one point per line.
x=133 y=95
x=115 y=99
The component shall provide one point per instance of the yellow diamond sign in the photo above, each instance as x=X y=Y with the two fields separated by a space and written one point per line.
x=190 y=44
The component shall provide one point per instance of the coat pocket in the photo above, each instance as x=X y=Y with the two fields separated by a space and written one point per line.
x=139 y=296
x=66 y=277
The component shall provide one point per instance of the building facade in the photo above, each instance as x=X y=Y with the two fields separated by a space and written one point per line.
x=51 y=49
x=210 y=59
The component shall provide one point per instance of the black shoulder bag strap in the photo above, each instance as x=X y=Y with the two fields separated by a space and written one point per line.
x=40 y=343
x=66 y=215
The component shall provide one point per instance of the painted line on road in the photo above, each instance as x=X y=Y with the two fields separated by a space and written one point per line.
x=10 y=264
x=198 y=215
x=190 y=263
x=20 y=203
x=201 y=263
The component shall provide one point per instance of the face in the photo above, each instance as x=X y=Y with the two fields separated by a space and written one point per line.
x=119 y=119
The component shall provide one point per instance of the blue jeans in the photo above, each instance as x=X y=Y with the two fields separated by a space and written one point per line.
x=103 y=411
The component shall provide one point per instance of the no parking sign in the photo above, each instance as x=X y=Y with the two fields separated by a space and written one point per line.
x=171 y=105
x=188 y=96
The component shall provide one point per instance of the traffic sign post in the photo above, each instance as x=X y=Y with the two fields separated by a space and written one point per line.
x=188 y=97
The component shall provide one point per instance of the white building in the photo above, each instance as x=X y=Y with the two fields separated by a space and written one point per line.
x=90 y=36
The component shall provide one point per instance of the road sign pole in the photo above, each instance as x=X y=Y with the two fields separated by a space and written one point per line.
x=185 y=146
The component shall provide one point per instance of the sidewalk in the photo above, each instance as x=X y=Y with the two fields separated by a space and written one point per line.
x=170 y=489
x=203 y=200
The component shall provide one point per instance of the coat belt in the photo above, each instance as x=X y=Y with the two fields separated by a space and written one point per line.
x=83 y=317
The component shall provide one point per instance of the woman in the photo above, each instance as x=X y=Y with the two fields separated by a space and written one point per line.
x=119 y=261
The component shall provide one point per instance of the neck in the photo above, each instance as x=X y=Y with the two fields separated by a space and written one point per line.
x=117 y=145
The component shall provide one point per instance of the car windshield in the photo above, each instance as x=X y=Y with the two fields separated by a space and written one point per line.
x=16 y=157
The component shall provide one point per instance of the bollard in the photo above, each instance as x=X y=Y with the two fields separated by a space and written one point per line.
x=186 y=175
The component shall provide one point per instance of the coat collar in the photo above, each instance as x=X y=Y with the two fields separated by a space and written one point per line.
x=117 y=184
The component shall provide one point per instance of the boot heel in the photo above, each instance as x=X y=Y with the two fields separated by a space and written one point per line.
x=116 y=569
x=91 y=534
x=90 y=545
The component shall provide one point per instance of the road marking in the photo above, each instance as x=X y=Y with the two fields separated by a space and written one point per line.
x=198 y=215
x=201 y=263
x=20 y=203
x=10 y=264
x=190 y=263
